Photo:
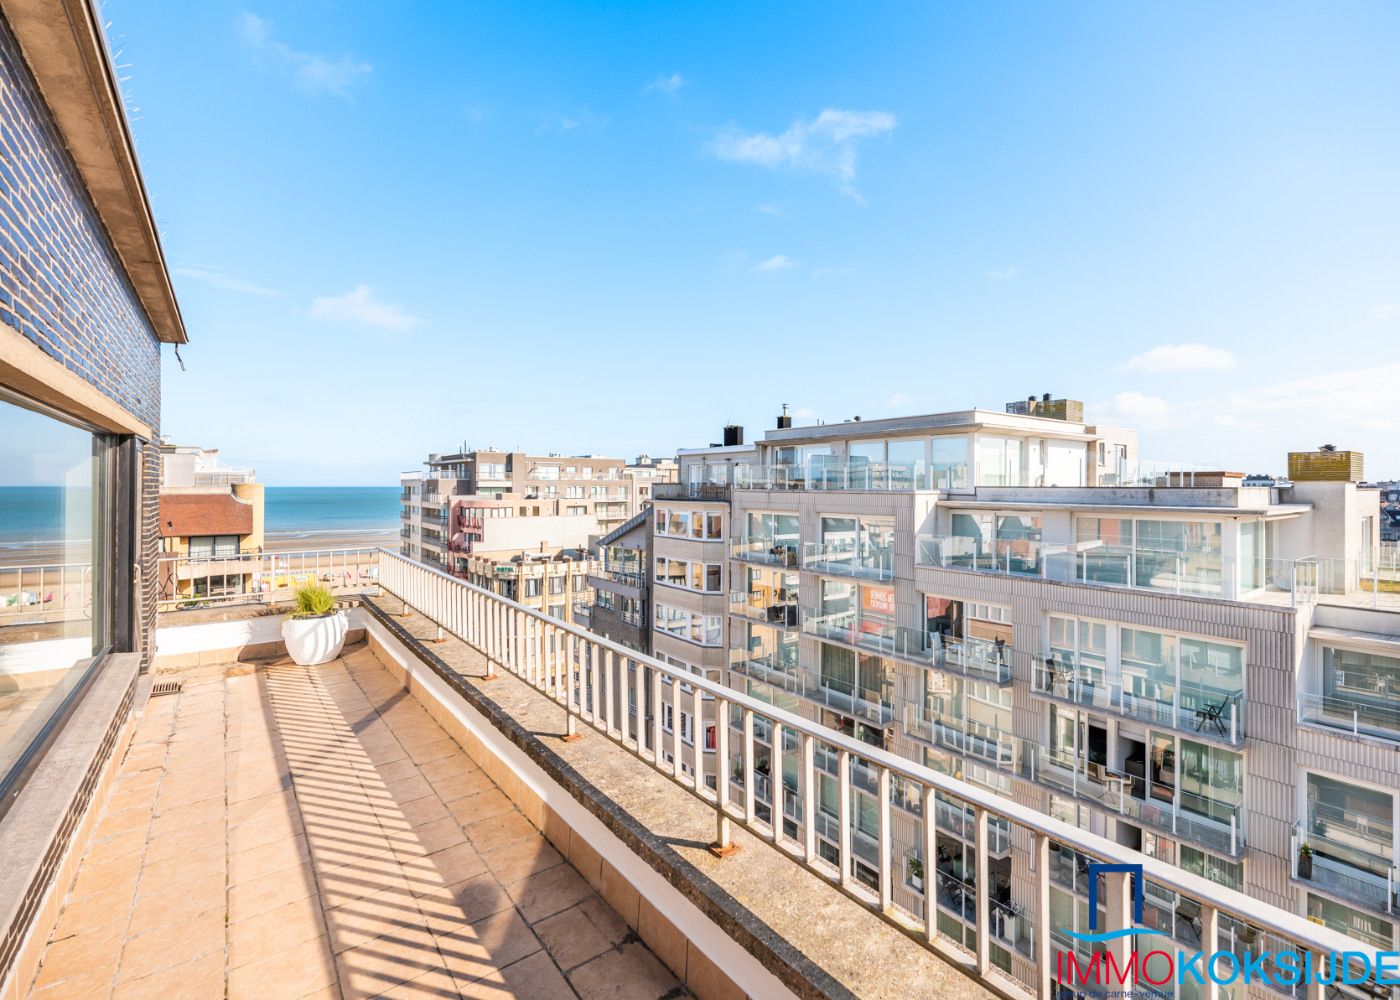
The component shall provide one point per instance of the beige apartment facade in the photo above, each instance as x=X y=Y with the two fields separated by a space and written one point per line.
x=1189 y=666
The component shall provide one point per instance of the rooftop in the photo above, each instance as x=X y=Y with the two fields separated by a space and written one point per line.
x=283 y=831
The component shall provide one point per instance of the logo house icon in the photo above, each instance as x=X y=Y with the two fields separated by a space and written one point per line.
x=1135 y=876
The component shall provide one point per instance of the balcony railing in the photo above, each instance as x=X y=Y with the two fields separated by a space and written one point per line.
x=185 y=581
x=766 y=609
x=837 y=474
x=627 y=577
x=690 y=491
x=765 y=551
x=844 y=559
x=590 y=679
x=837 y=695
x=1213 y=713
x=967 y=737
x=45 y=593
x=982 y=659
x=1356 y=715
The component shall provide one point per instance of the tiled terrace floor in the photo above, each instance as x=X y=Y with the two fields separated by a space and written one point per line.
x=298 y=832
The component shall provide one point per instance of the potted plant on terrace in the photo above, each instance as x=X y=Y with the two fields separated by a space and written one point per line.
x=315 y=632
x=1305 y=862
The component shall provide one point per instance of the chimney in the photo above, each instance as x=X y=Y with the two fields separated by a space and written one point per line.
x=733 y=435
x=1045 y=398
x=784 y=421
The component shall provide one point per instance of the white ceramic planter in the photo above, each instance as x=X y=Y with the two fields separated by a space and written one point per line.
x=315 y=640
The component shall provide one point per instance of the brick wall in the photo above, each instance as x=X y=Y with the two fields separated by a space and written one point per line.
x=64 y=288
x=61 y=284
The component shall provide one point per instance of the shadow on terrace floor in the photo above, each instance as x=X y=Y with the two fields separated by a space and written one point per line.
x=296 y=832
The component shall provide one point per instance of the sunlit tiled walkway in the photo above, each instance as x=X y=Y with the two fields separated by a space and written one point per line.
x=298 y=832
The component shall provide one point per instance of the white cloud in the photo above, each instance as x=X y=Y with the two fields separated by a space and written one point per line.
x=361 y=307
x=667 y=85
x=897 y=400
x=768 y=208
x=825 y=144
x=213 y=276
x=1136 y=410
x=315 y=72
x=1382 y=314
x=1181 y=358
x=1361 y=398
x=1006 y=274
x=563 y=124
x=1327 y=406
x=778 y=262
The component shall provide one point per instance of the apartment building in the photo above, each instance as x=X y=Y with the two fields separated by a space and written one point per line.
x=621 y=581
x=86 y=304
x=210 y=513
x=1195 y=668
x=594 y=491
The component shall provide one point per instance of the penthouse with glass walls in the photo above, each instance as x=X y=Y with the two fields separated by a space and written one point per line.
x=1190 y=666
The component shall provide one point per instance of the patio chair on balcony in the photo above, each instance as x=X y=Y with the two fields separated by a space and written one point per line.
x=1214 y=715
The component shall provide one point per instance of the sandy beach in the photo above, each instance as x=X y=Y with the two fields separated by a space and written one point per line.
x=305 y=541
x=48 y=554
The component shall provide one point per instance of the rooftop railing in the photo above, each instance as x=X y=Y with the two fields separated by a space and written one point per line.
x=592 y=681
x=196 y=581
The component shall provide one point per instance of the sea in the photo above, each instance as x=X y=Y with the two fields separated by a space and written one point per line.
x=35 y=515
x=307 y=511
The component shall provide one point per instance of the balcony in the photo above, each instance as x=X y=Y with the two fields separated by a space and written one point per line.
x=323 y=827
x=709 y=492
x=981 y=659
x=836 y=474
x=1352 y=855
x=780 y=613
x=965 y=737
x=1211 y=713
x=765 y=551
x=829 y=693
x=842 y=559
x=1375 y=716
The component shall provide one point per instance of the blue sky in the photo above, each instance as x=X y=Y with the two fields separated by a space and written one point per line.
x=615 y=227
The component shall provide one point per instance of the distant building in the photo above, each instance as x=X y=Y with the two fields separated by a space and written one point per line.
x=621 y=583
x=210 y=513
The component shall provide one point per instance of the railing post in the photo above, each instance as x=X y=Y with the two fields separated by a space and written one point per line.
x=595 y=685
x=677 y=743
x=656 y=730
x=1210 y=937
x=844 y=813
x=723 y=846
x=746 y=762
x=697 y=738
x=982 y=893
x=571 y=643
x=809 y=797
x=624 y=697
x=1118 y=903
x=1044 y=949
x=886 y=836
x=609 y=665
x=775 y=767
x=930 y=852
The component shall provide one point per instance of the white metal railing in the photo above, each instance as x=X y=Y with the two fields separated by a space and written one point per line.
x=196 y=581
x=593 y=681
x=56 y=592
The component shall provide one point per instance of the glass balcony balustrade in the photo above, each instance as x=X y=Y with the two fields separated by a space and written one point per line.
x=1214 y=713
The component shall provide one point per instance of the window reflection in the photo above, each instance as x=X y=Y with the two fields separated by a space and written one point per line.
x=51 y=619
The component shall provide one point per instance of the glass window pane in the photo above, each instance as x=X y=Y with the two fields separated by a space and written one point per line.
x=51 y=604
